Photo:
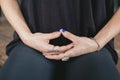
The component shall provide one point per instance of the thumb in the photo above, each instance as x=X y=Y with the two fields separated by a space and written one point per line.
x=53 y=35
x=68 y=35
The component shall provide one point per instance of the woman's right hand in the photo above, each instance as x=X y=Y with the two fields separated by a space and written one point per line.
x=40 y=42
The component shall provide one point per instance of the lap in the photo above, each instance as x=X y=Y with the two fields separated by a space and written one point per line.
x=25 y=63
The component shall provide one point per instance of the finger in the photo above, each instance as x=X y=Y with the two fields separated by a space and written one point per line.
x=48 y=48
x=70 y=53
x=53 y=35
x=51 y=53
x=62 y=49
x=69 y=35
x=66 y=47
x=54 y=50
x=55 y=57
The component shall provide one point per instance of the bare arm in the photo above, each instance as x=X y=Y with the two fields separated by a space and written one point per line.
x=38 y=41
x=110 y=30
x=14 y=16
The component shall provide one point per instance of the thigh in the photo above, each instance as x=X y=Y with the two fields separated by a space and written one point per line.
x=93 y=66
x=25 y=63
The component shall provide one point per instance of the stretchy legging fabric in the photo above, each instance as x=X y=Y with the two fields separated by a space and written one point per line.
x=25 y=63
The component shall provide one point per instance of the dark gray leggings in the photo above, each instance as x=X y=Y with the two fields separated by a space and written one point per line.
x=25 y=63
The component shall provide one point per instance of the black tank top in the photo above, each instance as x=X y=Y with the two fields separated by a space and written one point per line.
x=80 y=17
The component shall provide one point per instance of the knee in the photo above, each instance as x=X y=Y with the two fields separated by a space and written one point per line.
x=94 y=59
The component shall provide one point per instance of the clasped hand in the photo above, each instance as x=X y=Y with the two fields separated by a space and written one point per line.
x=79 y=45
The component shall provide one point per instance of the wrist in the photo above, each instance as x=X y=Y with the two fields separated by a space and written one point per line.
x=97 y=43
x=25 y=36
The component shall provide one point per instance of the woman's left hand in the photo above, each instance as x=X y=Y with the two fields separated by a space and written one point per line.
x=82 y=45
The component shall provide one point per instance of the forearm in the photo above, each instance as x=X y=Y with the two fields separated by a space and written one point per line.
x=110 y=30
x=13 y=14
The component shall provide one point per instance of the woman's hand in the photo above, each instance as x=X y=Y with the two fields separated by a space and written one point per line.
x=82 y=45
x=40 y=42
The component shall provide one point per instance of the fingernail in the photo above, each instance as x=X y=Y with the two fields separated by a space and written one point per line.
x=58 y=30
x=63 y=30
x=72 y=47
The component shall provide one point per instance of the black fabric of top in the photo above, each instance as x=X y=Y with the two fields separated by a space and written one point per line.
x=80 y=17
